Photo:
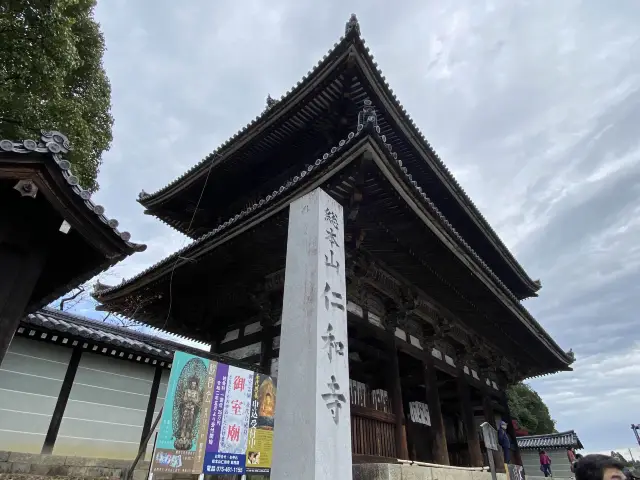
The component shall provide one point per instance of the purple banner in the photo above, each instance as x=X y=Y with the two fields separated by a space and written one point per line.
x=217 y=408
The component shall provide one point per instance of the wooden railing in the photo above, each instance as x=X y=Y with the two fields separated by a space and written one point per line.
x=372 y=432
x=372 y=423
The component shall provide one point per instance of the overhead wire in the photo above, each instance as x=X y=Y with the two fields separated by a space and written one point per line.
x=178 y=257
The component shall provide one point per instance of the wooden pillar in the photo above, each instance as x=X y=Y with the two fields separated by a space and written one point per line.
x=21 y=269
x=214 y=342
x=151 y=405
x=439 y=435
x=489 y=416
x=473 y=441
x=61 y=404
x=515 y=450
x=266 y=344
x=395 y=389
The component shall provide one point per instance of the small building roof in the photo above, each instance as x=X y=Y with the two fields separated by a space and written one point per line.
x=91 y=241
x=55 y=326
x=550 y=441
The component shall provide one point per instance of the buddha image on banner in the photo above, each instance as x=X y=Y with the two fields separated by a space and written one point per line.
x=212 y=411
x=176 y=447
x=260 y=442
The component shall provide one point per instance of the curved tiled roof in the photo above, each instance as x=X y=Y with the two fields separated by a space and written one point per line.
x=553 y=440
x=139 y=346
x=56 y=145
x=366 y=119
x=105 y=333
x=352 y=34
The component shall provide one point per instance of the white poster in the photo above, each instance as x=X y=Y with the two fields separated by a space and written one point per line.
x=237 y=410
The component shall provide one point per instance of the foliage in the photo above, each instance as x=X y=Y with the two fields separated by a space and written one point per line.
x=529 y=410
x=51 y=77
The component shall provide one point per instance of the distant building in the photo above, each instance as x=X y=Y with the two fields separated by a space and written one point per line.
x=556 y=445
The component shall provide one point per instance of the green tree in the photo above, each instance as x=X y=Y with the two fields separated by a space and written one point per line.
x=529 y=410
x=51 y=77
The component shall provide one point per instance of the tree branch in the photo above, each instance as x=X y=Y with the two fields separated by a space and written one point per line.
x=72 y=297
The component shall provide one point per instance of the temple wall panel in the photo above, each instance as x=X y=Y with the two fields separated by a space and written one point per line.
x=30 y=379
x=106 y=408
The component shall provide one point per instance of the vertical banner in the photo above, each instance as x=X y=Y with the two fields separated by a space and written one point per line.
x=260 y=442
x=228 y=454
x=211 y=412
x=177 y=446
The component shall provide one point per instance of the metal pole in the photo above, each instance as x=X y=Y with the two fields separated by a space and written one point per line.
x=143 y=447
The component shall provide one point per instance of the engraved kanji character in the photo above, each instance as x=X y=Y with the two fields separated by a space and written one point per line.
x=335 y=301
x=334 y=399
x=332 y=218
x=332 y=237
x=329 y=262
x=330 y=343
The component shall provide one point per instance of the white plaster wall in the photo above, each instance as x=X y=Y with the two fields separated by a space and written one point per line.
x=559 y=463
x=31 y=375
x=106 y=408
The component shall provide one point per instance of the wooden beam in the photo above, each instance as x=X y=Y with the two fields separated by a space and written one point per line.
x=20 y=273
x=61 y=404
x=266 y=344
x=473 y=441
x=151 y=405
x=439 y=435
x=395 y=388
x=243 y=341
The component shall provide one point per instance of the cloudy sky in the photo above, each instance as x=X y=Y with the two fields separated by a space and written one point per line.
x=535 y=106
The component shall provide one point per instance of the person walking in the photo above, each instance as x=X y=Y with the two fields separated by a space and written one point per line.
x=545 y=463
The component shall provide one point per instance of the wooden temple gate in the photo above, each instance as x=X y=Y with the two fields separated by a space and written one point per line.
x=435 y=316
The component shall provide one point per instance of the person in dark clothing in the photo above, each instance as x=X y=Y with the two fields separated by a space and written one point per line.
x=599 y=467
x=504 y=441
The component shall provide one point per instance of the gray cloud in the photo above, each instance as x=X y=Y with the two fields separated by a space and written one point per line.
x=533 y=105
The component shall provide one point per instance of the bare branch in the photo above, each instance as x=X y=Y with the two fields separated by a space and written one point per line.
x=72 y=297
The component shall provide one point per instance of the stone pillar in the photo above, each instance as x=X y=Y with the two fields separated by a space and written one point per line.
x=473 y=441
x=439 y=435
x=312 y=439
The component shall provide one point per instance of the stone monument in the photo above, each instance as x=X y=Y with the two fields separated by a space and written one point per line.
x=312 y=435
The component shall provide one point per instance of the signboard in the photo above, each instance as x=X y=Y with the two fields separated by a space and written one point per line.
x=514 y=472
x=217 y=419
x=490 y=436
